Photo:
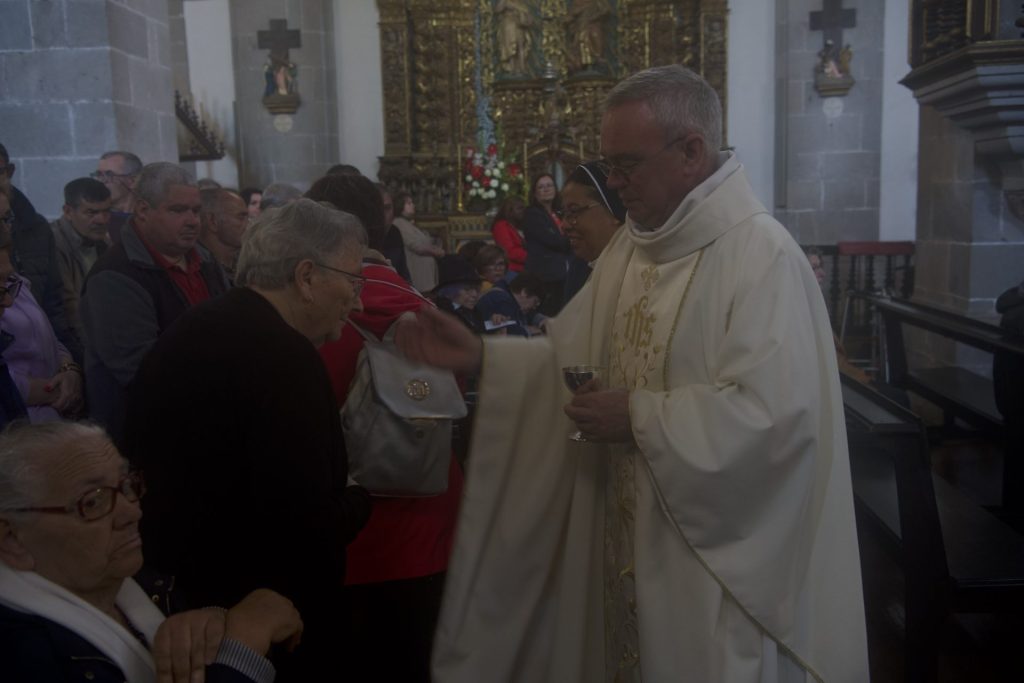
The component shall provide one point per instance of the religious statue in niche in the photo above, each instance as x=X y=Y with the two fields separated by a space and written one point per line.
x=832 y=73
x=586 y=25
x=280 y=78
x=280 y=74
x=515 y=23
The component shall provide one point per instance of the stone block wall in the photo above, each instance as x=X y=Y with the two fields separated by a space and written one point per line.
x=970 y=246
x=301 y=154
x=77 y=78
x=832 y=160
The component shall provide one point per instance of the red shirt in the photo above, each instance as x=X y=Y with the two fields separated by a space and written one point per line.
x=405 y=537
x=190 y=280
x=509 y=239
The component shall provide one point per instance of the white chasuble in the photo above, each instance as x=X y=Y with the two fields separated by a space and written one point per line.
x=720 y=545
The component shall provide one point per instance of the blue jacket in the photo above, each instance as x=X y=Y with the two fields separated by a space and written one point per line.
x=499 y=299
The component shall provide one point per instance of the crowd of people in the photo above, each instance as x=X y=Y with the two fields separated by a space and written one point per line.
x=181 y=349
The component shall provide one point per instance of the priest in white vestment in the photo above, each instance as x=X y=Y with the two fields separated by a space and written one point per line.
x=705 y=532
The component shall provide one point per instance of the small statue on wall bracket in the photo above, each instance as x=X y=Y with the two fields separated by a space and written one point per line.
x=832 y=72
x=280 y=74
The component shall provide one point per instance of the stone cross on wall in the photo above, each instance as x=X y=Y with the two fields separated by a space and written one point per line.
x=279 y=39
x=832 y=19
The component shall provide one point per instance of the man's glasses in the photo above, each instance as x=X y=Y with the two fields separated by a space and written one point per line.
x=357 y=281
x=572 y=214
x=99 y=502
x=626 y=169
x=108 y=176
x=7 y=219
x=496 y=266
x=10 y=288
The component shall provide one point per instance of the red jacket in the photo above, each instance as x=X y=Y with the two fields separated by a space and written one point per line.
x=509 y=239
x=405 y=537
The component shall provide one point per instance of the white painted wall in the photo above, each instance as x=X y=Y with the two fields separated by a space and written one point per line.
x=897 y=215
x=751 y=91
x=360 y=95
x=211 y=70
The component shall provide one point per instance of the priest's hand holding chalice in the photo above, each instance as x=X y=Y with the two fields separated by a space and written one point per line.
x=581 y=379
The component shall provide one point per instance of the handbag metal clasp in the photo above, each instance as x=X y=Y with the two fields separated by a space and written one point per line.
x=417 y=389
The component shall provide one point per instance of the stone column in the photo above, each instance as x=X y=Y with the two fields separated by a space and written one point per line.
x=77 y=78
x=300 y=150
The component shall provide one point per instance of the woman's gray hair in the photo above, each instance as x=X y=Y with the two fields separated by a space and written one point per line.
x=155 y=180
x=281 y=238
x=681 y=101
x=26 y=452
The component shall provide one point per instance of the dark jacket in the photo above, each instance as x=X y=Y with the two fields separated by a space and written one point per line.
x=547 y=248
x=36 y=650
x=233 y=421
x=127 y=303
x=393 y=249
x=34 y=256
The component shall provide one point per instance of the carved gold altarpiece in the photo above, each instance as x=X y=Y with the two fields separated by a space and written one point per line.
x=527 y=75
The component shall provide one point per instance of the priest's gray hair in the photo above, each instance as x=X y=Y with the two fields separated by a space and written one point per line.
x=680 y=100
x=301 y=230
x=25 y=456
x=155 y=180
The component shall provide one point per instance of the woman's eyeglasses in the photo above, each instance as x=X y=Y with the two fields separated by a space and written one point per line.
x=99 y=502
x=571 y=214
x=10 y=288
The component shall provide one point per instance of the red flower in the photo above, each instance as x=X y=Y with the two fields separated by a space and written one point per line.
x=513 y=170
x=492 y=150
x=477 y=172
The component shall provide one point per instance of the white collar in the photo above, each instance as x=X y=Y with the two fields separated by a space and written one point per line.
x=30 y=593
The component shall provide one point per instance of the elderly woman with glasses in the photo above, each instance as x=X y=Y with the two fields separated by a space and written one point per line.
x=70 y=608
x=48 y=379
x=395 y=569
x=233 y=422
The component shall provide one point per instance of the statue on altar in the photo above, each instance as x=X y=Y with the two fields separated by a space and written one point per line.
x=586 y=26
x=515 y=22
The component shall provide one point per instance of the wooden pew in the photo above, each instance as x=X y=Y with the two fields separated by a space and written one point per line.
x=956 y=557
x=960 y=393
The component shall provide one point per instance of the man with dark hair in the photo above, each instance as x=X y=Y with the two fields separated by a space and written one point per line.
x=34 y=256
x=81 y=238
x=343 y=169
x=515 y=301
x=223 y=221
x=141 y=285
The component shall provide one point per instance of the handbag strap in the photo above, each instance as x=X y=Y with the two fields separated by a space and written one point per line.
x=389 y=336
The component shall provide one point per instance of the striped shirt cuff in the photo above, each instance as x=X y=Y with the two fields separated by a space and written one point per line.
x=245 y=660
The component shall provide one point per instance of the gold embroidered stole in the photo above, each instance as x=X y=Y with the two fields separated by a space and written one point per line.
x=645 y=321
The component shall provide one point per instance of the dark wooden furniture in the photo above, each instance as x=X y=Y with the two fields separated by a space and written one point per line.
x=960 y=392
x=955 y=555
